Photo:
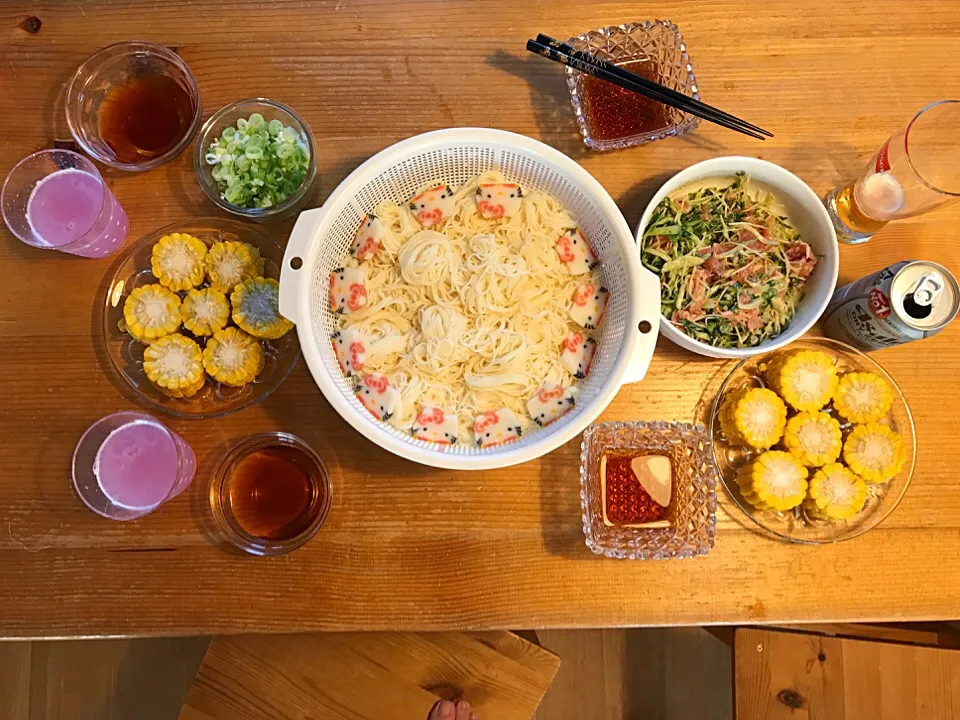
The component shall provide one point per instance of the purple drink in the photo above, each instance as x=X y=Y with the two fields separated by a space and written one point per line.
x=128 y=464
x=56 y=199
x=70 y=204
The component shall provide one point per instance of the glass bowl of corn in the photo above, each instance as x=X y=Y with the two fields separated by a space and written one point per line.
x=191 y=320
x=814 y=442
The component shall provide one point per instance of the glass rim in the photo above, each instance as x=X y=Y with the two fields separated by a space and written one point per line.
x=133 y=415
x=906 y=145
x=129 y=47
x=225 y=521
x=92 y=169
x=213 y=194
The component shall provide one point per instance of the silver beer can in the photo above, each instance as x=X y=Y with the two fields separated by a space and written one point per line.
x=907 y=301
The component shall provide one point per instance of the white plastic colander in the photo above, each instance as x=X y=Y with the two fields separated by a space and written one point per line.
x=321 y=238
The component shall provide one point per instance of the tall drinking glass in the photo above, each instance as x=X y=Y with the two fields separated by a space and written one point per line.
x=916 y=170
x=128 y=464
x=57 y=200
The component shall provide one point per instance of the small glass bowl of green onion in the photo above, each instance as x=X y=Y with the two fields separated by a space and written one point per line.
x=256 y=159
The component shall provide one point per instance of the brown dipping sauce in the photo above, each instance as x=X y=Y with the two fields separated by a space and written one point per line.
x=145 y=117
x=273 y=494
x=612 y=112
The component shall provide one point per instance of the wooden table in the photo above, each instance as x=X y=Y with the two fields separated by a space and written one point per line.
x=405 y=546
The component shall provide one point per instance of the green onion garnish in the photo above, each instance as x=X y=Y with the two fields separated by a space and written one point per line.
x=258 y=164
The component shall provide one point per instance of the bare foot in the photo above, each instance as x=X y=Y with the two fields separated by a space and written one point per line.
x=446 y=710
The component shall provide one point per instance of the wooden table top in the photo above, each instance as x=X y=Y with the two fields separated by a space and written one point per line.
x=405 y=546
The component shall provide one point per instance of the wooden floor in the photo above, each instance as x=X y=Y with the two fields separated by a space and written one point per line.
x=668 y=674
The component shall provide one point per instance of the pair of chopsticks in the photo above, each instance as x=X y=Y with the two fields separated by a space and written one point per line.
x=591 y=65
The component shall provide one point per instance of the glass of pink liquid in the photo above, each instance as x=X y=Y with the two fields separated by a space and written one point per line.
x=128 y=464
x=57 y=200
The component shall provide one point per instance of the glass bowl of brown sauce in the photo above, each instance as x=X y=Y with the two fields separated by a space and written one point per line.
x=611 y=117
x=270 y=494
x=133 y=105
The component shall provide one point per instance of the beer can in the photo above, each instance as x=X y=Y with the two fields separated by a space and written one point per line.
x=907 y=301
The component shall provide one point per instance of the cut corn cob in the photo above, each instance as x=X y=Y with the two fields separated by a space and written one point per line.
x=862 y=397
x=813 y=438
x=256 y=308
x=150 y=312
x=177 y=261
x=754 y=417
x=774 y=481
x=805 y=379
x=229 y=263
x=835 y=493
x=205 y=311
x=874 y=452
x=233 y=357
x=174 y=364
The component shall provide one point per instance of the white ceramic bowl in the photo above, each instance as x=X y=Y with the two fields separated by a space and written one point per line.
x=809 y=217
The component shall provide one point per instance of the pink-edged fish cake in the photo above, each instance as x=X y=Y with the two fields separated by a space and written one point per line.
x=350 y=349
x=378 y=396
x=498 y=200
x=433 y=206
x=550 y=403
x=589 y=305
x=436 y=425
x=369 y=238
x=575 y=252
x=576 y=354
x=496 y=427
x=348 y=290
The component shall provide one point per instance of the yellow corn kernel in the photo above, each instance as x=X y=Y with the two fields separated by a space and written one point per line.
x=256 y=308
x=205 y=311
x=174 y=364
x=835 y=493
x=862 y=397
x=805 y=379
x=813 y=438
x=233 y=357
x=150 y=312
x=177 y=261
x=229 y=263
x=874 y=452
x=754 y=417
x=773 y=481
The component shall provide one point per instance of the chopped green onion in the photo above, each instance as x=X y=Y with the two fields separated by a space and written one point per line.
x=258 y=164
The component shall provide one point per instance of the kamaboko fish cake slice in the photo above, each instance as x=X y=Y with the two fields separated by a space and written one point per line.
x=256 y=308
x=178 y=261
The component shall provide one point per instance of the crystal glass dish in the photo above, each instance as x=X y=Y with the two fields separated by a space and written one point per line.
x=132 y=270
x=658 y=41
x=693 y=505
x=797 y=525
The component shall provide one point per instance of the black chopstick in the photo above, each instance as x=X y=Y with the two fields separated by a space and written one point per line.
x=639 y=79
x=647 y=88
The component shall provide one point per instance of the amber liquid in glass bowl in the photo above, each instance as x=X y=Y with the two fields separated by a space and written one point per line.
x=614 y=113
x=270 y=494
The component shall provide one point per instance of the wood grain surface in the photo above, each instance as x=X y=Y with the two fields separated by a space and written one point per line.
x=368 y=676
x=781 y=675
x=405 y=546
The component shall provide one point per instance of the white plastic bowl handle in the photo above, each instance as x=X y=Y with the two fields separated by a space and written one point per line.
x=297 y=265
x=647 y=299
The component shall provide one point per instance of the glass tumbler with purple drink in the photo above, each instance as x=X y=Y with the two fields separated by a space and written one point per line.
x=57 y=200
x=128 y=464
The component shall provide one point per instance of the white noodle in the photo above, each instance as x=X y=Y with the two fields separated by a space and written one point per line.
x=473 y=316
